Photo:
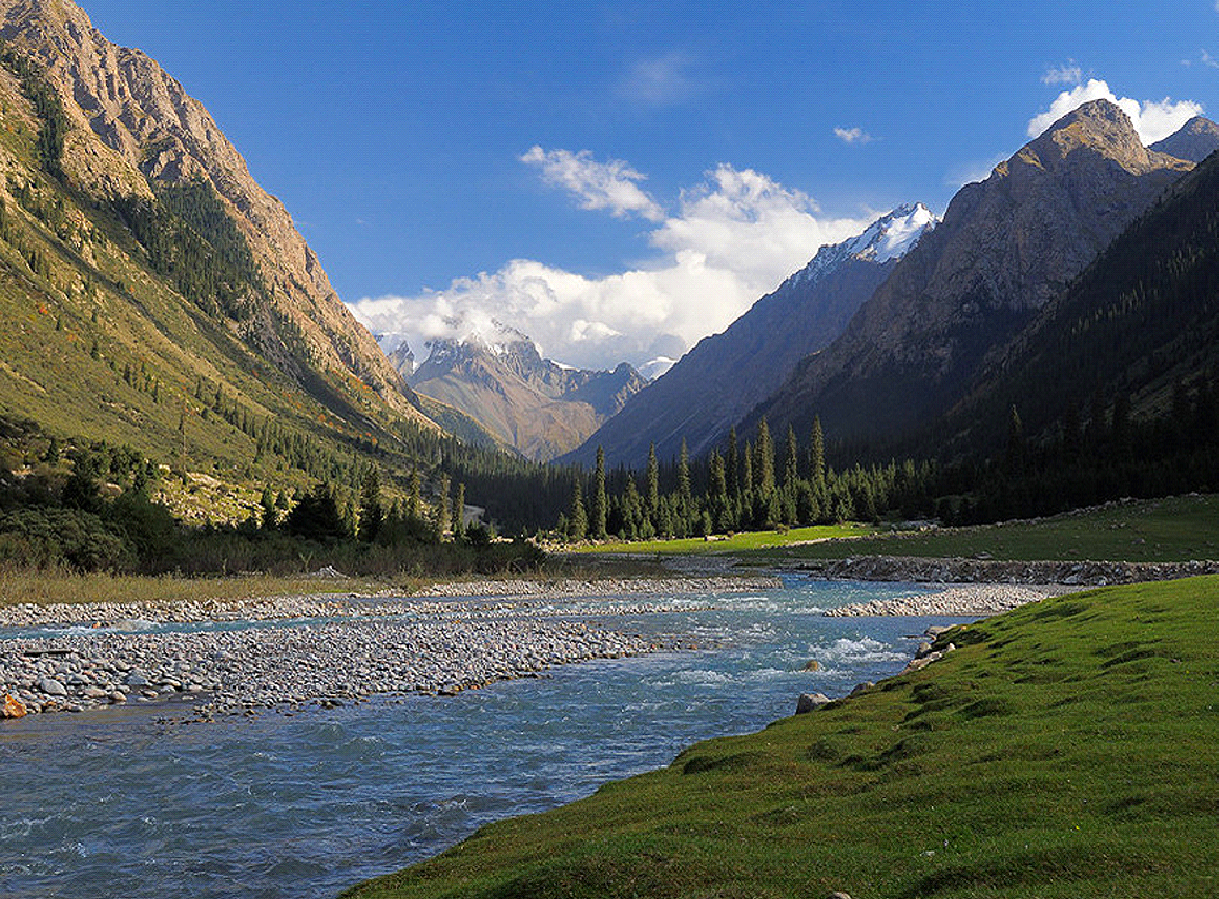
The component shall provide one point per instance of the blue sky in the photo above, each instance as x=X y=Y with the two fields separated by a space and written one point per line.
x=619 y=179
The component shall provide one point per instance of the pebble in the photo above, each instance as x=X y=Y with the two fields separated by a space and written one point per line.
x=438 y=648
x=972 y=600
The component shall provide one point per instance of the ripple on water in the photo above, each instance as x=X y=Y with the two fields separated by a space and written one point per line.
x=307 y=805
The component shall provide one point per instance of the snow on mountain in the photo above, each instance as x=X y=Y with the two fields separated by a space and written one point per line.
x=889 y=237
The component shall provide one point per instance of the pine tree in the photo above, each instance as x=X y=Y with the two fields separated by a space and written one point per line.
x=790 y=461
x=414 y=501
x=459 y=510
x=653 y=475
x=764 y=464
x=732 y=465
x=599 y=498
x=577 y=518
x=368 y=520
x=816 y=456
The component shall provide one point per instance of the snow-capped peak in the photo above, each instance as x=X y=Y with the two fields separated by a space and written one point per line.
x=891 y=236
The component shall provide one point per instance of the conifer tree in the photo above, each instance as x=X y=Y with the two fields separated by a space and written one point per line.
x=577 y=518
x=653 y=475
x=732 y=465
x=816 y=456
x=790 y=461
x=368 y=520
x=764 y=464
x=599 y=500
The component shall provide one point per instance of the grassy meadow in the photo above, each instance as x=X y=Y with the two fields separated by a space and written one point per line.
x=1067 y=749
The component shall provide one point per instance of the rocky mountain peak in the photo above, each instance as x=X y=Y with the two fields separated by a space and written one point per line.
x=1097 y=127
x=1195 y=140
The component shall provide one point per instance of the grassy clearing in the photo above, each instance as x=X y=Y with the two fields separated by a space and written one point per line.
x=1166 y=530
x=751 y=540
x=52 y=587
x=1066 y=749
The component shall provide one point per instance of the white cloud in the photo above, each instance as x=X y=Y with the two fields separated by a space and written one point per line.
x=660 y=80
x=736 y=237
x=1152 y=119
x=1209 y=61
x=1068 y=74
x=852 y=135
x=607 y=185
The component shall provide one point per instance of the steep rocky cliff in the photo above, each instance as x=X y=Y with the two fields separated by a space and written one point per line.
x=1007 y=245
x=134 y=131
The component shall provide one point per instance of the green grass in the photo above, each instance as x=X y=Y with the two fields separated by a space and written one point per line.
x=42 y=588
x=1165 y=530
x=750 y=540
x=1067 y=749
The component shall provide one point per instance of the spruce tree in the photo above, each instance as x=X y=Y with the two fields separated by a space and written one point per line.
x=599 y=499
x=577 y=519
x=368 y=520
x=764 y=463
x=790 y=461
x=816 y=456
x=653 y=474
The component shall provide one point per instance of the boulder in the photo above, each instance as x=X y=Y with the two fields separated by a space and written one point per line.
x=52 y=687
x=810 y=702
x=812 y=665
x=12 y=708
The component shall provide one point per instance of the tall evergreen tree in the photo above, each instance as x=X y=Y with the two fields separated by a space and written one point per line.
x=368 y=521
x=577 y=517
x=816 y=456
x=599 y=499
x=791 y=461
x=653 y=475
x=764 y=463
x=732 y=465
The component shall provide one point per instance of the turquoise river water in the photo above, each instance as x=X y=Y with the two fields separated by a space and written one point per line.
x=119 y=803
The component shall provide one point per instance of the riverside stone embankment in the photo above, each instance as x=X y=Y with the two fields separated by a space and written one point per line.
x=993 y=571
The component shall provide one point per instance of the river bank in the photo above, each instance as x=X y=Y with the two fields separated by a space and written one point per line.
x=235 y=656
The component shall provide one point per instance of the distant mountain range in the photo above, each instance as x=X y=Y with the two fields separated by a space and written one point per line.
x=532 y=405
x=725 y=375
x=881 y=345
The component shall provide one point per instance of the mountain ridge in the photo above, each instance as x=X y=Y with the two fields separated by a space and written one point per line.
x=705 y=393
x=1006 y=246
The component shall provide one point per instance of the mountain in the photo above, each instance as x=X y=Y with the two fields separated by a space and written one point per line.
x=725 y=375
x=1006 y=247
x=1198 y=139
x=536 y=406
x=156 y=298
x=1138 y=330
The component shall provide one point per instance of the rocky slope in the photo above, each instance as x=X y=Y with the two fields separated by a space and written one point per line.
x=1007 y=245
x=725 y=375
x=1198 y=139
x=133 y=129
x=539 y=408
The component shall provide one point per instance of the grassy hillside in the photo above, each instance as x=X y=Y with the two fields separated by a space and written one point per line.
x=1176 y=529
x=1063 y=750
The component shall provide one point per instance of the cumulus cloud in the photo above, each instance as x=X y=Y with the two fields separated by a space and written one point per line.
x=1153 y=119
x=1068 y=74
x=852 y=135
x=611 y=185
x=735 y=237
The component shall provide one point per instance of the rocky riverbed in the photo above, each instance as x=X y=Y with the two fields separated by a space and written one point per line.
x=330 y=662
x=973 y=600
x=239 y=655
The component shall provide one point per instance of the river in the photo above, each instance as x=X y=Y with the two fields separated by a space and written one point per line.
x=120 y=803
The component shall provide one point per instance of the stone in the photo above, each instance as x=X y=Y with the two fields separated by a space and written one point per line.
x=117 y=696
x=135 y=678
x=810 y=702
x=862 y=688
x=812 y=665
x=52 y=687
x=12 y=708
x=924 y=649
